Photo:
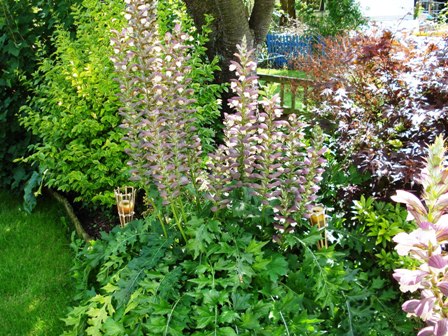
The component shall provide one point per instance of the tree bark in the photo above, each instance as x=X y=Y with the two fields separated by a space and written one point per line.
x=232 y=25
x=288 y=6
x=260 y=19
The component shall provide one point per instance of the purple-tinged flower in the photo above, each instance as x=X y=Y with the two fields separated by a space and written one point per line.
x=438 y=262
x=416 y=243
x=427 y=331
x=413 y=204
x=409 y=280
x=410 y=306
x=424 y=245
x=442 y=229
x=424 y=309
x=441 y=327
x=443 y=286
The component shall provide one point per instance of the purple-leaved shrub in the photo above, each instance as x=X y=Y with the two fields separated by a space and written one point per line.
x=265 y=153
x=386 y=95
x=427 y=244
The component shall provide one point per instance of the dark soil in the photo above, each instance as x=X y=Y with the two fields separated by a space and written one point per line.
x=96 y=221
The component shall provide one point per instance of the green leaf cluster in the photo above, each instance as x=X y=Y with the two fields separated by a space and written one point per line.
x=22 y=25
x=74 y=109
x=339 y=16
x=226 y=281
x=223 y=282
x=375 y=223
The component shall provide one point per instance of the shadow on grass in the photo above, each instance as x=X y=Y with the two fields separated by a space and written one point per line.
x=35 y=259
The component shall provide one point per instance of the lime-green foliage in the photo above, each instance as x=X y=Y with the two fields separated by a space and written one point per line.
x=377 y=223
x=281 y=72
x=75 y=112
x=35 y=259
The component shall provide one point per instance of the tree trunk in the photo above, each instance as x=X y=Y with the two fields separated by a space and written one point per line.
x=232 y=24
x=288 y=7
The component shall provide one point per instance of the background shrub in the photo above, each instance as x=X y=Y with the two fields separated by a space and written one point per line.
x=22 y=25
x=339 y=16
x=74 y=109
x=386 y=96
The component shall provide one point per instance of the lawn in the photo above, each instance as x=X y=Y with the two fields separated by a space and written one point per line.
x=35 y=283
x=287 y=104
x=281 y=72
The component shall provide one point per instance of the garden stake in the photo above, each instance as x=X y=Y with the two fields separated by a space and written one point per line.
x=125 y=198
x=317 y=217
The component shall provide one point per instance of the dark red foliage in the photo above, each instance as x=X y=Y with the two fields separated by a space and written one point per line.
x=387 y=97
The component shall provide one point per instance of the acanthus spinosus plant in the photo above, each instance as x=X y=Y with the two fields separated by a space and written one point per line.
x=262 y=153
x=265 y=152
x=427 y=244
x=157 y=115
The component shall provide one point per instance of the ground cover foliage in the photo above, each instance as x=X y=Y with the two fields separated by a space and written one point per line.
x=226 y=246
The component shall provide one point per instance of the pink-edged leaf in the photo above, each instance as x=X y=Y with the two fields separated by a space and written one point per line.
x=410 y=305
x=441 y=203
x=424 y=309
x=405 y=243
x=426 y=226
x=416 y=242
x=409 y=277
x=442 y=228
x=437 y=261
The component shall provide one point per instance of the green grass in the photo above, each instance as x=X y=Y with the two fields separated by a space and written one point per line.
x=35 y=259
x=282 y=72
x=288 y=95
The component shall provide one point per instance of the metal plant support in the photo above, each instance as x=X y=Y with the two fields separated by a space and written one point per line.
x=125 y=197
x=317 y=217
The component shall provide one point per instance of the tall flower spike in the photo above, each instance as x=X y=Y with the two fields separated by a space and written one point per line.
x=136 y=76
x=425 y=245
x=236 y=158
x=157 y=113
x=264 y=153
